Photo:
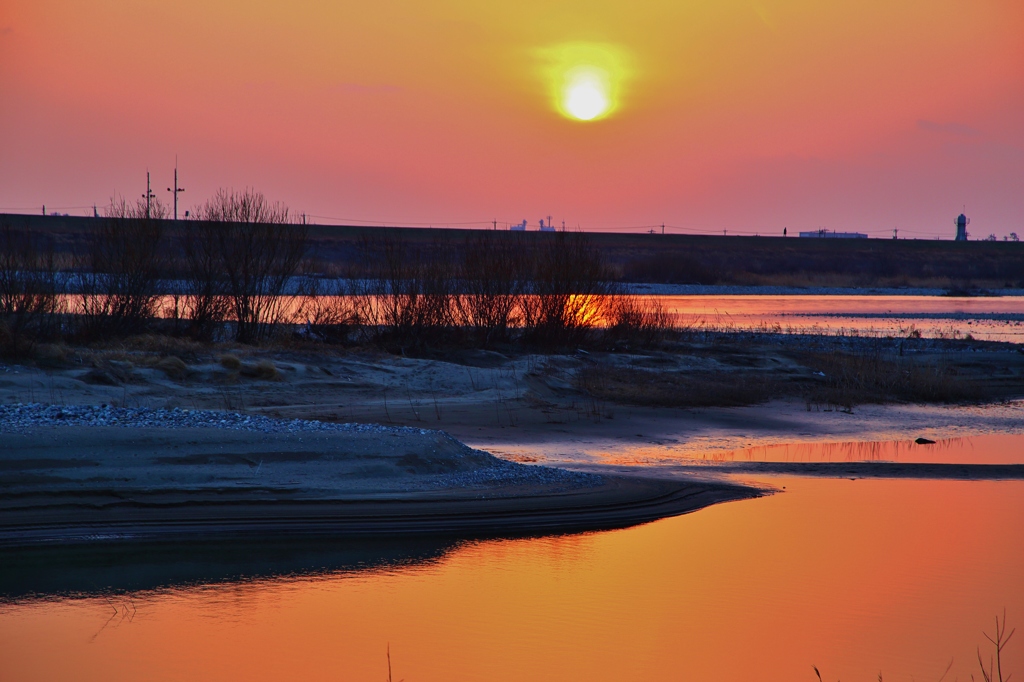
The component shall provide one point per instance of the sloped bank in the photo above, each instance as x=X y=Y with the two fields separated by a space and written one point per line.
x=88 y=475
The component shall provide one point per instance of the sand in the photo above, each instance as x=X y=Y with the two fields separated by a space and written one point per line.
x=76 y=484
x=86 y=484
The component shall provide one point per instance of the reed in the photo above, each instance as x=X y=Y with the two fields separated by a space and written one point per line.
x=993 y=672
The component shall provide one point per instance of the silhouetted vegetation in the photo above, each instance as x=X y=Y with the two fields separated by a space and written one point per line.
x=204 y=288
x=648 y=388
x=848 y=379
x=495 y=275
x=999 y=640
x=734 y=372
x=119 y=273
x=259 y=249
x=569 y=291
x=30 y=286
x=494 y=291
x=992 y=673
x=241 y=269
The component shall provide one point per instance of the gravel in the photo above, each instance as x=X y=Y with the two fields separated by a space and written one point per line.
x=504 y=473
x=18 y=417
x=498 y=474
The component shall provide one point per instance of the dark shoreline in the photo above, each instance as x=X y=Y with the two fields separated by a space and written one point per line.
x=620 y=501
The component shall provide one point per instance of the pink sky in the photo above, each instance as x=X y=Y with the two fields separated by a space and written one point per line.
x=734 y=115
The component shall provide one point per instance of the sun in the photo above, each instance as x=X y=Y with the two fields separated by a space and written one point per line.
x=586 y=94
x=585 y=79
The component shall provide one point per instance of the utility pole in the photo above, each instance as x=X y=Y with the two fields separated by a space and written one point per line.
x=663 y=228
x=148 y=196
x=895 y=233
x=176 y=189
x=495 y=224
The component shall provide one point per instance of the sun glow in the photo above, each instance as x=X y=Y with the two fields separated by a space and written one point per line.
x=585 y=96
x=585 y=79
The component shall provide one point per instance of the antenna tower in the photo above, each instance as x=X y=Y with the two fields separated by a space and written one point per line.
x=176 y=189
x=148 y=196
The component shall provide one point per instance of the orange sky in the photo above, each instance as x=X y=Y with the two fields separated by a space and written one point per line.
x=738 y=115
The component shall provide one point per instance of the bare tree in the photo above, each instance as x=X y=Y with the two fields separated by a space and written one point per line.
x=437 y=272
x=494 y=275
x=120 y=271
x=568 y=292
x=120 y=207
x=408 y=295
x=206 y=302
x=327 y=309
x=30 y=288
x=389 y=293
x=260 y=250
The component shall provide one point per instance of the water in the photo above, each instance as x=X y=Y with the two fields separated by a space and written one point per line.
x=986 y=449
x=855 y=577
x=985 y=318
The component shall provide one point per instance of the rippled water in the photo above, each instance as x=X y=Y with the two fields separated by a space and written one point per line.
x=986 y=449
x=856 y=577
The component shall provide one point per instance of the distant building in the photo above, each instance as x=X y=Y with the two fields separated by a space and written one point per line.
x=961 y=223
x=826 y=234
x=546 y=228
x=518 y=227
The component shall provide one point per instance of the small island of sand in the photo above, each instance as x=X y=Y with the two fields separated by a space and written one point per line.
x=100 y=474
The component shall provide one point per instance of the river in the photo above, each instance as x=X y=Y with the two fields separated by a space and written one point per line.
x=856 y=577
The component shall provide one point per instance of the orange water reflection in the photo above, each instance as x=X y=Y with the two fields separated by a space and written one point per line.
x=995 y=318
x=983 y=318
x=986 y=449
x=851 y=576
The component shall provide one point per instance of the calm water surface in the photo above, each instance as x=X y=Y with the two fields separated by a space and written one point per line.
x=988 y=318
x=856 y=577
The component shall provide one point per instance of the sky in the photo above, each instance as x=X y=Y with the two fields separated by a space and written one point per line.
x=710 y=116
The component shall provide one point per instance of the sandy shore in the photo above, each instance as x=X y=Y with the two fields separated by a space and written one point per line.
x=86 y=484
x=524 y=406
x=400 y=472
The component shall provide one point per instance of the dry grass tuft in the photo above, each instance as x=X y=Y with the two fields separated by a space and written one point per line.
x=850 y=380
x=174 y=367
x=230 y=362
x=161 y=344
x=107 y=372
x=51 y=355
x=263 y=370
x=677 y=389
